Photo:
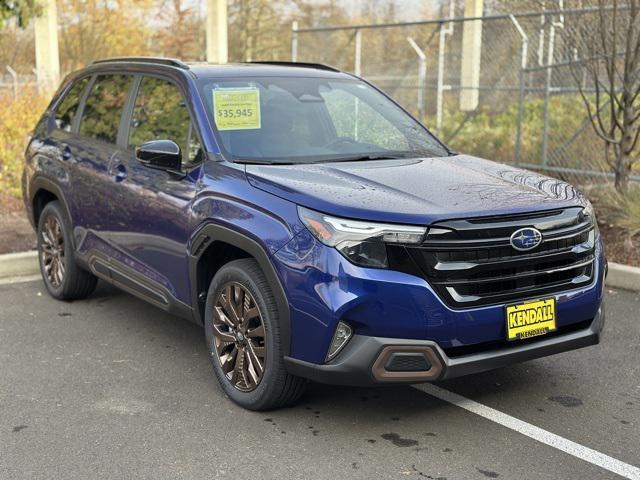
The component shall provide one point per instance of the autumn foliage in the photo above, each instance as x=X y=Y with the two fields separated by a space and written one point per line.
x=17 y=118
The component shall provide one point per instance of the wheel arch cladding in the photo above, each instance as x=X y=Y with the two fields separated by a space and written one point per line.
x=42 y=192
x=215 y=245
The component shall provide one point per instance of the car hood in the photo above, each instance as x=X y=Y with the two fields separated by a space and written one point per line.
x=414 y=191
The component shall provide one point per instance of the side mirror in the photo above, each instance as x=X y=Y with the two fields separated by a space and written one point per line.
x=163 y=154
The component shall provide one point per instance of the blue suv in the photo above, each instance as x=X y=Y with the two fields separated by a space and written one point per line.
x=310 y=224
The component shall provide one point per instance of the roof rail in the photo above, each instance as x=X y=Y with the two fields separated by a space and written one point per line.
x=319 y=66
x=172 y=62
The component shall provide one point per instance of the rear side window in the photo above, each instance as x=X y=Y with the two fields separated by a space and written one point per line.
x=104 y=106
x=160 y=113
x=66 y=110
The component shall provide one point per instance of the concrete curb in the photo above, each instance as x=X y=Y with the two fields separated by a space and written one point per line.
x=26 y=263
x=623 y=276
x=19 y=264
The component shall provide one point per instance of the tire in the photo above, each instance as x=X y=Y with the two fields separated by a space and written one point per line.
x=276 y=388
x=55 y=247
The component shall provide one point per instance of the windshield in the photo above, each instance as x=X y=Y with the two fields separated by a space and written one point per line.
x=298 y=120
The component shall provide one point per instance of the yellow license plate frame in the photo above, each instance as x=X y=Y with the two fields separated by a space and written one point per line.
x=529 y=319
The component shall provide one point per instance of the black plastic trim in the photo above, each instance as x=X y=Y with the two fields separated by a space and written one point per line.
x=41 y=183
x=171 y=62
x=127 y=279
x=210 y=233
x=319 y=66
x=353 y=365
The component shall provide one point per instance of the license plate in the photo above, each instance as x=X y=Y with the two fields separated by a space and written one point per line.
x=530 y=319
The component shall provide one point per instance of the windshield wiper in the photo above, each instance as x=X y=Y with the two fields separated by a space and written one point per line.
x=258 y=161
x=356 y=158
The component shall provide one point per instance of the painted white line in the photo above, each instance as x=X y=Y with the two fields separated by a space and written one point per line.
x=556 y=441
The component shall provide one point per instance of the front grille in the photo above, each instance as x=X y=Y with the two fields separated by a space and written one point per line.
x=471 y=262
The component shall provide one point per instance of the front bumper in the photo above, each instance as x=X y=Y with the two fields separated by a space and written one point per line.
x=363 y=361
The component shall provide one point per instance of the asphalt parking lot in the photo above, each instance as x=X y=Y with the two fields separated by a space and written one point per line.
x=111 y=387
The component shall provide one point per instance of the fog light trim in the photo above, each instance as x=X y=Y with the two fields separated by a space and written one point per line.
x=341 y=337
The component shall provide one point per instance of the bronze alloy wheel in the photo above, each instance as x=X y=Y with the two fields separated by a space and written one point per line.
x=53 y=251
x=239 y=335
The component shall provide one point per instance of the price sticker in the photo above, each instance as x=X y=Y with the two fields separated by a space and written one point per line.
x=237 y=109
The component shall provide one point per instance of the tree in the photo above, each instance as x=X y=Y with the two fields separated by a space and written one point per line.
x=607 y=71
x=186 y=40
x=92 y=29
x=21 y=10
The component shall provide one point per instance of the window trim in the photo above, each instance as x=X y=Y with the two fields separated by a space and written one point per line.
x=54 y=108
x=123 y=141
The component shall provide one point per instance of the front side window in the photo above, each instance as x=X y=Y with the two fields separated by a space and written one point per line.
x=160 y=113
x=104 y=106
x=66 y=109
x=298 y=120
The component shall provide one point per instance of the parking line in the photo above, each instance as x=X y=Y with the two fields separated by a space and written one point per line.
x=556 y=441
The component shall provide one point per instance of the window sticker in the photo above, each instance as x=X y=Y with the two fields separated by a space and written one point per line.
x=236 y=108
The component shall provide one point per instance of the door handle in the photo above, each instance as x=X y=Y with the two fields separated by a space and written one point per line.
x=120 y=173
x=66 y=153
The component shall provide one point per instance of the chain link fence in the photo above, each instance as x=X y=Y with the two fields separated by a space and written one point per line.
x=498 y=86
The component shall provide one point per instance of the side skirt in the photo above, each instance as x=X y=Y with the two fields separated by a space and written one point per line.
x=127 y=279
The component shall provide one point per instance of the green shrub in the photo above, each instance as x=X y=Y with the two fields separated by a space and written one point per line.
x=490 y=132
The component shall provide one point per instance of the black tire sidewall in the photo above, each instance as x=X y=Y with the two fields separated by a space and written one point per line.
x=55 y=209
x=259 y=397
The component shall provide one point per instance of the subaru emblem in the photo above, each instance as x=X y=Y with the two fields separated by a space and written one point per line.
x=526 y=239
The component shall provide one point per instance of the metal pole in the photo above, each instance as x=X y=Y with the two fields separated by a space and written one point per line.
x=525 y=41
x=357 y=69
x=294 y=41
x=520 y=119
x=440 y=85
x=547 y=86
x=422 y=77
x=547 y=93
x=523 y=66
x=14 y=80
x=358 y=56
x=541 y=41
x=444 y=31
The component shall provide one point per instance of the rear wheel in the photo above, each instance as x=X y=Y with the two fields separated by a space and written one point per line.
x=243 y=337
x=63 y=277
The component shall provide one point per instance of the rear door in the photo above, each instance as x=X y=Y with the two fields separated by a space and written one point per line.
x=152 y=222
x=60 y=146
x=98 y=129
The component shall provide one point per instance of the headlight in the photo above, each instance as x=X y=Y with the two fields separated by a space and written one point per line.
x=362 y=243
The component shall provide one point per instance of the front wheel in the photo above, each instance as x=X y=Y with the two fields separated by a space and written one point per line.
x=243 y=338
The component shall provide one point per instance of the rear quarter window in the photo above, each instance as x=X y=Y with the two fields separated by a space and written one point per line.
x=67 y=108
x=104 y=106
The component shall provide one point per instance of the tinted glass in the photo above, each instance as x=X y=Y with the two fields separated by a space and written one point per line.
x=66 y=110
x=160 y=113
x=103 y=108
x=280 y=119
